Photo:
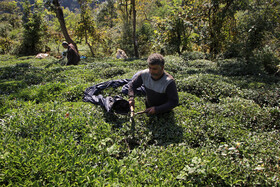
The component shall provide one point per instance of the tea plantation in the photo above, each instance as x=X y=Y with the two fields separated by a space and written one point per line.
x=225 y=131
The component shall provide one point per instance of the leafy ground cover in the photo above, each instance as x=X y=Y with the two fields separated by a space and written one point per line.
x=225 y=132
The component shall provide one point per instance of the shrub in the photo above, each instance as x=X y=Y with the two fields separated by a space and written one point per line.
x=275 y=116
x=32 y=35
x=267 y=60
x=48 y=92
x=193 y=55
x=236 y=67
x=74 y=93
x=187 y=99
x=5 y=45
x=264 y=97
x=247 y=113
x=173 y=64
x=49 y=137
x=16 y=72
x=3 y=108
x=11 y=87
x=209 y=87
x=144 y=34
x=112 y=72
x=201 y=63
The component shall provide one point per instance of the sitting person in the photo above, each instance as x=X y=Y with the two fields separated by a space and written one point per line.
x=121 y=54
x=72 y=54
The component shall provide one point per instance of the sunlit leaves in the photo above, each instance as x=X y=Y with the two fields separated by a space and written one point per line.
x=50 y=137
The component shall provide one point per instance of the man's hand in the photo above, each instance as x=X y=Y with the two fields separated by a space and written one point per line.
x=131 y=102
x=151 y=110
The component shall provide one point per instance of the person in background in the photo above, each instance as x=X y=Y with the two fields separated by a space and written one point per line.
x=121 y=54
x=72 y=54
x=161 y=91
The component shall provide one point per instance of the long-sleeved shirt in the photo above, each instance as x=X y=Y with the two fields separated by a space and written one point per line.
x=161 y=93
x=72 y=55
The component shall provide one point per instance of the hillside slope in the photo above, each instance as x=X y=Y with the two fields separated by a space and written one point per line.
x=225 y=132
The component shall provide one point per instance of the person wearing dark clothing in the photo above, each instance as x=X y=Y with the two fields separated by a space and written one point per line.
x=73 y=56
x=160 y=87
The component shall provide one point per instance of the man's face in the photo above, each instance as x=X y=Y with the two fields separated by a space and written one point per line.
x=156 y=71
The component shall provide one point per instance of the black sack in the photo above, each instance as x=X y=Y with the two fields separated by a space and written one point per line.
x=117 y=104
x=112 y=104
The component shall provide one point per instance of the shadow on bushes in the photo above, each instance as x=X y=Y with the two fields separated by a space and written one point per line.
x=164 y=129
x=260 y=64
x=265 y=97
x=237 y=67
x=194 y=55
x=14 y=78
x=111 y=118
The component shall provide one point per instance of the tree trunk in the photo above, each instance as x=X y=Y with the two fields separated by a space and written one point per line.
x=83 y=10
x=217 y=17
x=136 y=53
x=90 y=46
x=60 y=17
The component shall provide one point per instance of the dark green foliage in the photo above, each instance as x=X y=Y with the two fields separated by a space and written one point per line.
x=111 y=72
x=106 y=14
x=267 y=60
x=222 y=23
x=208 y=87
x=255 y=36
x=225 y=131
x=194 y=55
x=126 y=42
x=75 y=93
x=234 y=67
x=145 y=33
x=265 y=97
x=19 y=76
x=32 y=24
x=9 y=27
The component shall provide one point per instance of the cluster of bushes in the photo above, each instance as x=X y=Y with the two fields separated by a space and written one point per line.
x=224 y=131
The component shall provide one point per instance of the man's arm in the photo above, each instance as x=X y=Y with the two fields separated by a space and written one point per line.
x=133 y=85
x=173 y=99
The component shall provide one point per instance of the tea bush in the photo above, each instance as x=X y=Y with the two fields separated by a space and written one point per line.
x=247 y=113
x=111 y=72
x=74 y=93
x=209 y=87
x=267 y=60
x=225 y=131
x=235 y=67
x=193 y=55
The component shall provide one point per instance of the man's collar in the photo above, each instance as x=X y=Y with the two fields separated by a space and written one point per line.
x=160 y=76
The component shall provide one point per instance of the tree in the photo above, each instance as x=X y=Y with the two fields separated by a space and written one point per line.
x=258 y=37
x=221 y=20
x=55 y=6
x=86 y=26
x=10 y=25
x=175 y=29
x=32 y=24
x=136 y=53
x=129 y=34
x=259 y=21
x=107 y=14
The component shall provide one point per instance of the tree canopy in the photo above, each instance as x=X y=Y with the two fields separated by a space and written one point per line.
x=228 y=29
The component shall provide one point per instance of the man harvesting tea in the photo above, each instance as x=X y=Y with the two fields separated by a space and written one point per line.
x=161 y=91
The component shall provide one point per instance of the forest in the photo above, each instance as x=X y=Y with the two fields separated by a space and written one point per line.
x=247 y=29
x=223 y=55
